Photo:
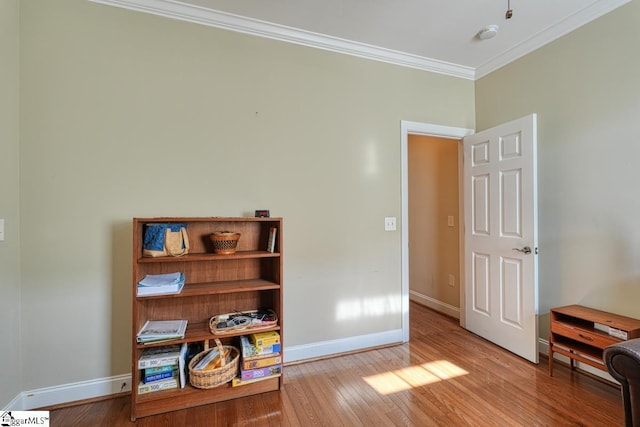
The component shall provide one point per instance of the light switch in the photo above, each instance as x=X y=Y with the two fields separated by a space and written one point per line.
x=1 y=230
x=450 y=220
x=390 y=223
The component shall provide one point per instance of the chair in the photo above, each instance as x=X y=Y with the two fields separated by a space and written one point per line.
x=623 y=363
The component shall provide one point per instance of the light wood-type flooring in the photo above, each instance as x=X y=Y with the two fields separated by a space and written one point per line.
x=445 y=376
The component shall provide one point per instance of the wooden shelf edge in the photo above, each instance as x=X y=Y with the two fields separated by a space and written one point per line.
x=197 y=332
x=194 y=257
x=209 y=219
x=170 y=400
x=217 y=288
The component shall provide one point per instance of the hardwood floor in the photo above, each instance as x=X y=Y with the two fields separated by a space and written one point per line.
x=444 y=376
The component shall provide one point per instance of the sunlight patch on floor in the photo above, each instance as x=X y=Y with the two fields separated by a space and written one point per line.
x=414 y=376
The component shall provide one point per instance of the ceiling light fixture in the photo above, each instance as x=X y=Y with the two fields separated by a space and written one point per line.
x=509 y=13
x=488 y=32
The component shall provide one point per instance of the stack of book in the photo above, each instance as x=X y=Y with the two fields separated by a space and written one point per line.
x=160 y=284
x=154 y=331
x=162 y=368
x=614 y=332
x=261 y=358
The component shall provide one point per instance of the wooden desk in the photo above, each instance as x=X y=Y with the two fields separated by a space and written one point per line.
x=581 y=333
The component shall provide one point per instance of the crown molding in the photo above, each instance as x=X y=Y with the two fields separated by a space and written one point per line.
x=212 y=18
x=555 y=31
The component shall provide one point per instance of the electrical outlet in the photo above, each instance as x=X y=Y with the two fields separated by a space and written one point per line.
x=1 y=230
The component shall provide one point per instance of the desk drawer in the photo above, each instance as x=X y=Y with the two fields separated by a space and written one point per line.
x=584 y=336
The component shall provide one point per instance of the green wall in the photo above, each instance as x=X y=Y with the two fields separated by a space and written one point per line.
x=125 y=114
x=584 y=88
x=9 y=201
x=116 y=114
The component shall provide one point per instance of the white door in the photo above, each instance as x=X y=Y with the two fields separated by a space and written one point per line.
x=501 y=238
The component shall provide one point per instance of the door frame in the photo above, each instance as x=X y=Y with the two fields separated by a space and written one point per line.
x=427 y=129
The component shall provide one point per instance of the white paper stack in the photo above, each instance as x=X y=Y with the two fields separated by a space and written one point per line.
x=161 y=284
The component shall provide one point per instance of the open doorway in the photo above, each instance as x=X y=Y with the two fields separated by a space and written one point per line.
x=499 y=292
x=425 y=129
x=434 y=223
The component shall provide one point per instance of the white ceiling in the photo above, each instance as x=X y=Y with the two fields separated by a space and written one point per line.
x=439 y=36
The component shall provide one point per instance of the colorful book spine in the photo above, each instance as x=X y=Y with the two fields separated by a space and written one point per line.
x=158 y=361
x=261 y=362
x=158 y=377
x=260 y=372
x=158 y=370
x=157 y=386
x=236 y=382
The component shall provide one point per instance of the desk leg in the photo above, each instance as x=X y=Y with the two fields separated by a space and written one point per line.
x=550 y=359
x=571 y=363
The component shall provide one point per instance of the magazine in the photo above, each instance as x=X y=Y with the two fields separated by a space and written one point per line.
x=161 y=330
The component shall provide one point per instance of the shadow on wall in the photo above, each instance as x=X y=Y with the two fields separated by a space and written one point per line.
x=121 y=294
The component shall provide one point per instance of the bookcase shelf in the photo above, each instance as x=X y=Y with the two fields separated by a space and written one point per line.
x=212 y=288
x=199 y=331
x=191 y=257
x=215 y=284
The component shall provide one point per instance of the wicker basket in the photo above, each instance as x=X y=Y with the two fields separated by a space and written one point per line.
x=225 y=242
x=214 y=377
x=247 y=320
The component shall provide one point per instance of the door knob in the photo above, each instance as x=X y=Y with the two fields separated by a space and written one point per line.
x=526 y=250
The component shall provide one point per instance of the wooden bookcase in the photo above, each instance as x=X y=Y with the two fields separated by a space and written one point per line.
x=214 y=284
x=577 y=333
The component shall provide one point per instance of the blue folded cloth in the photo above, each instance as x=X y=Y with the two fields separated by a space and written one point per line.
x=154 y=235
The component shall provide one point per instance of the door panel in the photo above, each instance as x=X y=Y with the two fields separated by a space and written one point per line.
x=512 y=291
x=481 y=282
x=501 y=293
x=511 y=221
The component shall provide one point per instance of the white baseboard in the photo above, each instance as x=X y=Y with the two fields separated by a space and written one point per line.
x=49 y=396
x=326 y=348
x=435 y=304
